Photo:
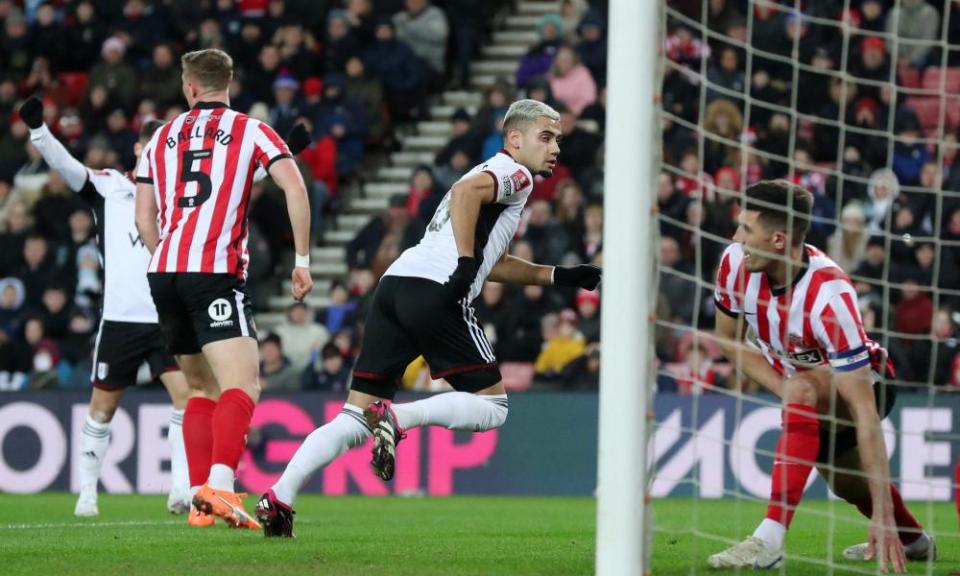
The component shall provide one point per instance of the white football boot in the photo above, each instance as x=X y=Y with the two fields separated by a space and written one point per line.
x=753 y=553
x=86 y=505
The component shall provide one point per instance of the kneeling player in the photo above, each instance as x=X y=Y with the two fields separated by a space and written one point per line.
x=811 y=350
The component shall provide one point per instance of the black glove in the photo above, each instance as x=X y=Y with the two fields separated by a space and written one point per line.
x=585 y=276
x=462 y=278
x=31 y=112
x=298 y=139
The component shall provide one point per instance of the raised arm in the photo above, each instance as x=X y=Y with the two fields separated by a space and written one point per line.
x=54 y=154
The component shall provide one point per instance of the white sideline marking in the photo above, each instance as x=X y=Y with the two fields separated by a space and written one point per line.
x=117 y=524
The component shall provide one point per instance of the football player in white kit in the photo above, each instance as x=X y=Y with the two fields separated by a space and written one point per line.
x=129 y=334
x=422 y=307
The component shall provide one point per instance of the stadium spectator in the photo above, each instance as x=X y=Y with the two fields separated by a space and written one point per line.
x=362 y=250
x=85 y=38
x=161 y=81
x=462 y=140
x=493 y=313
x=579 y=145
x=883 y=190
x=424 y=28
x=916 y=25
x=563 y=343
x=342 y=311
x=369 y=93
x=115 y=76
x=537 y=61
x=423 y=195
x=400 y=71
x=276 y=370
x=848 y=244
x=286 y=108
x=300 y=334
x=570 y=81
x=343 y=118
x=725 y=73
x=548 y=240
x=679 y=291
x=588 y=309
x=328 y=371
x=592 y=48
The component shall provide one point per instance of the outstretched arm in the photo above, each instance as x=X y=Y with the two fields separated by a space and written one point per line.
x=54 y=154
x=513 y=270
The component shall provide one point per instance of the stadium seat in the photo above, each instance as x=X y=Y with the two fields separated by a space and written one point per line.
x=909 y=77
x=927 y=109
x=949 y=76
x=517 y=376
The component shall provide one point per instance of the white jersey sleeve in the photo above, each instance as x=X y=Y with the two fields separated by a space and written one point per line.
x=513 y=182
x=836 y=322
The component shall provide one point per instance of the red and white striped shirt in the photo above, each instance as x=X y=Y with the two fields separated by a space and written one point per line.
x=201 y=165
x=813 y=322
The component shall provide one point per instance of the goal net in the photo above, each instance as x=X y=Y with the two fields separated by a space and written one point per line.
x=857 y=102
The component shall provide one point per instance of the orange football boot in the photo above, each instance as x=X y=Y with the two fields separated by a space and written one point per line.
x=226 y=505
x=198 y=519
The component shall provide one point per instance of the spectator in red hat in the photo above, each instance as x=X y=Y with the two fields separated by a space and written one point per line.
x=588 y=307
x=873 y=64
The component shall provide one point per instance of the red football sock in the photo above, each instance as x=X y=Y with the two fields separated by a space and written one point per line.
x=910 y=528
x=198 y=438
x=231 y=422
x=796 y=452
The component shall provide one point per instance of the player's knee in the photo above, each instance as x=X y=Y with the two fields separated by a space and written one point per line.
x=800 y=390
x=102 y=414
x=497 y=414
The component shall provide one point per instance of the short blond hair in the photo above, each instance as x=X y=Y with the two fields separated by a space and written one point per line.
x=211 y=68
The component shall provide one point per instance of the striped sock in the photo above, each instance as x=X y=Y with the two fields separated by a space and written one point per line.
x=346 y=431
x=94 y=440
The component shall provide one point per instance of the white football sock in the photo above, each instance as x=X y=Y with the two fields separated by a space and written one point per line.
x=454 y=410
x=347 y=430
x=772 y=532
x=221 y=477
x=94 y=440
x=180 y=479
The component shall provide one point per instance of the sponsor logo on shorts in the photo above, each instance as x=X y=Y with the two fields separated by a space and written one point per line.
x=806 y=357
x=102 y=370
x=220 y=311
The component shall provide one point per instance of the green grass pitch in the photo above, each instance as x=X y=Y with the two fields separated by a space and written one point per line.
x=409 y=536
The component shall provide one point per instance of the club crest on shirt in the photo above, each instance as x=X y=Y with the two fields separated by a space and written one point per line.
x=520 y=180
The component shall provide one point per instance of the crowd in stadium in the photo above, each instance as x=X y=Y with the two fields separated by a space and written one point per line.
x=874 y=141
x=358 y=72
